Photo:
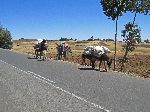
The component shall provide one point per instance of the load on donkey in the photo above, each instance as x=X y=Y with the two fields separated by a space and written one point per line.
x=41 y=48
x=96 y=53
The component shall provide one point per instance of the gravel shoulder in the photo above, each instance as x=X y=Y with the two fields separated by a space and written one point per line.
x=21 y=92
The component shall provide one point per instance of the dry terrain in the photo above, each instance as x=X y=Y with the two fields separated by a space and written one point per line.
x=137 y=65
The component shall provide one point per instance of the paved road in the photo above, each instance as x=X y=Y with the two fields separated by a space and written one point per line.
x=112 y=91
x=21 y=92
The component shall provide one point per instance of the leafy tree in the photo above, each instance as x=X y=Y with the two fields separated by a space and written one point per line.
x=139 y=7
x=63 y=39
x=115 y=8
x=5 y=38
x=91 y=39
x=132 y=36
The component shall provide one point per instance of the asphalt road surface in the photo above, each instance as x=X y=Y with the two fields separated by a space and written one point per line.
x=28 y=84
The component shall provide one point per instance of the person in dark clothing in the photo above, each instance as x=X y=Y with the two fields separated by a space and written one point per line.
x=43 y=45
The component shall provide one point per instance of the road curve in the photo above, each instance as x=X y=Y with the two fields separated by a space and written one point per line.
x=110 y=91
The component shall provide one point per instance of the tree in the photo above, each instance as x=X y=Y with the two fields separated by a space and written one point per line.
x=139 y=6
x=5 y=38
x=115 y=8
x=147 y=41
x=91 y=39
x=63 y=39
x=132 y=36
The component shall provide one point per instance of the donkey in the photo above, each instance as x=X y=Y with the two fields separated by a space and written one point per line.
x=96 y=53
x=93 y=58
x=40 y=50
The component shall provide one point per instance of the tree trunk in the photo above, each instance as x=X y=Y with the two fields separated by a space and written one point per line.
x=115 y=44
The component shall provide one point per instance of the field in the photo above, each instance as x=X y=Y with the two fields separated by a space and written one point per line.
x=137 y=65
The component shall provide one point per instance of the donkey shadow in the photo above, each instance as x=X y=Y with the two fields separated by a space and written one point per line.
x=31 y=57
x=86 y=69
x=96 y=69
x=38 y=59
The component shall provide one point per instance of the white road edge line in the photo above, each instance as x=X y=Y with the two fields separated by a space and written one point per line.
x=38 y=76
x=50 y=82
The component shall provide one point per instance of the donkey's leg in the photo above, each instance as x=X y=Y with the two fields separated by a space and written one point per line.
x=83 y=59
x=90 y=62
x=41 y=53
x=36 y=53
x=61 y=55
x=58 y=56
x=64 y=53
x=105 y=66
x=93 y=62
x=44 y=55
x=100 y=64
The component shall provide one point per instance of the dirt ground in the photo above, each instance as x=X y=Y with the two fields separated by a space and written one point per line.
x=138 y=62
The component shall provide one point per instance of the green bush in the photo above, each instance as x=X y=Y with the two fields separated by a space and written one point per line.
x=5 y=38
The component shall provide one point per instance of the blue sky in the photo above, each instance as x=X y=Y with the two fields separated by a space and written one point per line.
x=54 y=19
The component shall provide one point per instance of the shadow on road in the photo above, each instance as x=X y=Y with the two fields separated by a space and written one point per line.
x=41 y=60
x=31 y=57
x=86 y=69
x=92 y=69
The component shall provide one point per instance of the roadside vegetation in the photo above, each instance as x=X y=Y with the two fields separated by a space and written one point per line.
x=5 y=38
